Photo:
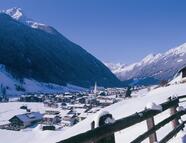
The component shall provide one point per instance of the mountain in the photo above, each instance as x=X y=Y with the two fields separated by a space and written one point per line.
x=43 y=54
x=160 y=66
x=18 y=14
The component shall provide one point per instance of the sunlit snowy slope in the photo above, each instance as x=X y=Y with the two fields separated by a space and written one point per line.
x=17 y=87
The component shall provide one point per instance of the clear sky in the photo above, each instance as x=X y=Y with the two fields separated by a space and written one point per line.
x=112 y=30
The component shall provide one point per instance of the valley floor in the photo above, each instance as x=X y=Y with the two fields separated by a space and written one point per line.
x=118 y=110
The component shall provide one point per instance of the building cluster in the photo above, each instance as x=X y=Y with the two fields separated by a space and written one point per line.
x=4 y=99
x=64 y=110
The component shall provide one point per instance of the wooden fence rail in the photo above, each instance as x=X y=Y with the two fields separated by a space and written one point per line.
x=158 y=126
x=94 y=135
x=172 y=133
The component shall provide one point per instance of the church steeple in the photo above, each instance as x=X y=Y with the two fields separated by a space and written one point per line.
x=95 y=88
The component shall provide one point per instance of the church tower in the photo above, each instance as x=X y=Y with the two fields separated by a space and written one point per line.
x=95 y=88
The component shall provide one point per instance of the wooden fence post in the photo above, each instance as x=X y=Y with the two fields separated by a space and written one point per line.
x=150 y=124
x=102 y=121
x=93 y=127
x=173 y=111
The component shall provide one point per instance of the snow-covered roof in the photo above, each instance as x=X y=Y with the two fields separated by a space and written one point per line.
x=49 y=116
x=179 y=76
x=181 y=69
x=84 y=115
x=76 y=105
x=66 y=121
x=29 y=117
x=80 y=110
x=69 y=115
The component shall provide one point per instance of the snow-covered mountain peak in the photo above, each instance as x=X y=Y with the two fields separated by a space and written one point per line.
x=15 y=13
x=160 y=66
x=18 y=14
x=178 y=50
x=115 y=66
x=148 y=58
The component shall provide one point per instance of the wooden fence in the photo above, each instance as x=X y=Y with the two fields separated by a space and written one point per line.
x=106 y=131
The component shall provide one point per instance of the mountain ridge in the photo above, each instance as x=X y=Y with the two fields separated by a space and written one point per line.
x=34 y=53
x=161 y=66
x=18 y=15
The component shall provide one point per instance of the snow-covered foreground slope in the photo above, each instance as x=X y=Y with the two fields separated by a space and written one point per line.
x=118 y=110
x=160 y=66
x=31 y=86
x=131 y=106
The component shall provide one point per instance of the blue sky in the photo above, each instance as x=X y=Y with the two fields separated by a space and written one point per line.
x=112 y=30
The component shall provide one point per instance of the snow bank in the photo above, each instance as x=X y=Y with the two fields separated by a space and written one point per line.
x=99 y=115
x=153 y=106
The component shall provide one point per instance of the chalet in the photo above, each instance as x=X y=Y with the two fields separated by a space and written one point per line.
x=69 y=120
x=92 y=100
x=106 y=101
x=83 y=116
x=94 y=109
x=80 y=110
x=50 y=104
x=82 y=100
x=182 y=72
x=52 y=116
x=66 y=99
x=63 y=105
x=50 y=119
x=25 y=120
x=75 y=106
x=180 y=76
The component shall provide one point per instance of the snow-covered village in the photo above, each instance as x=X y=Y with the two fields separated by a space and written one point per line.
x=110 y=71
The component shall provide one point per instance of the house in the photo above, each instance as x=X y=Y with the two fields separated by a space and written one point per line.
x=106 y=101
x=182 y=71
x=25 y=120
x=50 y=119
x=180 y=76
x=69 y=120
x=83 y=116
x=81 y=100
x=50 y=104
x=75 y=106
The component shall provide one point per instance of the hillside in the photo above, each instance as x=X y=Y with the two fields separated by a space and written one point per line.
x=17 y=87
x=39 y=52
